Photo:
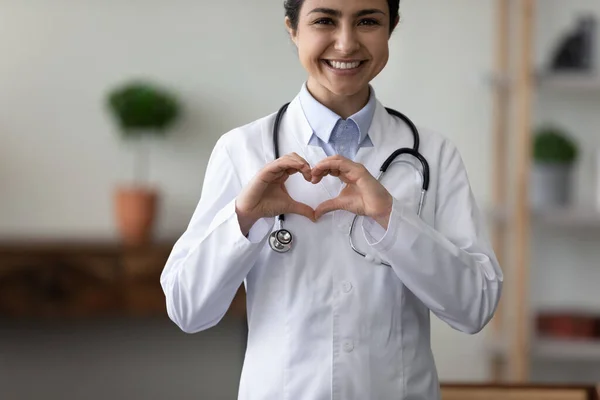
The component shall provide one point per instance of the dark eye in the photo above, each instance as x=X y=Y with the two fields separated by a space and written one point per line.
x=323 y=21
x=369 y=22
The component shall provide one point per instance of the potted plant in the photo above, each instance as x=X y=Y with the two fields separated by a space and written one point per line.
x=142 y=111
x=554 y=154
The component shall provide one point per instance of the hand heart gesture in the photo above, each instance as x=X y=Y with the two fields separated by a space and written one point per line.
x=362 y=195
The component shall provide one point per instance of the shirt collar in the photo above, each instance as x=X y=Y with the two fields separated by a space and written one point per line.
x=322 y=120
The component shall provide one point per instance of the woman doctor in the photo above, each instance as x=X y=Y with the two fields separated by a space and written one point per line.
x=325 y=322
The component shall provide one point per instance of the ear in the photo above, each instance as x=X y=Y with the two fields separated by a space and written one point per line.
x=291 y=30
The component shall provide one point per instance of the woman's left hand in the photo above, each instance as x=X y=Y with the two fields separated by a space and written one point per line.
x=363 y=194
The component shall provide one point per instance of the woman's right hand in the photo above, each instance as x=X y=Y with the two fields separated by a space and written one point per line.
x=266 y=195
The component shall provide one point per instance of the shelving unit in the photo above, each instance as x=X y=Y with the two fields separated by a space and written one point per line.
x=514 y=344
x=569 y=82
x=575 y=218
x=566 y=350
x=572 y=218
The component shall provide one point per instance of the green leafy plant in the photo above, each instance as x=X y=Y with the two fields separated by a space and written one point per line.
x=142 y=109
x=552 y=145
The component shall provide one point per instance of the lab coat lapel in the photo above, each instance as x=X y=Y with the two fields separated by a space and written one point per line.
x=388 y=134
x=312 y=154
x=373 y=157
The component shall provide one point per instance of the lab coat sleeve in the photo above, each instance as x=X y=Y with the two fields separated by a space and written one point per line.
x=450 y=267
x=211 y=259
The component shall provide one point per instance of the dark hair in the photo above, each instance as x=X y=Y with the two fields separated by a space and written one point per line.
x=292 y=11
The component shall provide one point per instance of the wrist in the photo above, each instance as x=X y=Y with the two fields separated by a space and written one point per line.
x=383 y=220
x=246 y=220
x=383 y=217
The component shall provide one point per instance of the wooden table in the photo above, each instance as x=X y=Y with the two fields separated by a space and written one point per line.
x=517 y=391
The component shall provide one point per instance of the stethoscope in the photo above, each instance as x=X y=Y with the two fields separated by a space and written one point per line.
x=281 y=239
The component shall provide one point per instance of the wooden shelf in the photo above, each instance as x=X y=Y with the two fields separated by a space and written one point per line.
x=81 y=279
x=551 y=349
x=521 y=391
x=567 y=350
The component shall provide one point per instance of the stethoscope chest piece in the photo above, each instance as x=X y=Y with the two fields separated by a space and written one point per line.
x=281 y=240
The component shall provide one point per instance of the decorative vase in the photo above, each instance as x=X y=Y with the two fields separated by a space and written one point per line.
x=550 y=185
x=136 y=213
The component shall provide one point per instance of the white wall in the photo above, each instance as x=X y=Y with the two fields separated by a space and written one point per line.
x=61 y=157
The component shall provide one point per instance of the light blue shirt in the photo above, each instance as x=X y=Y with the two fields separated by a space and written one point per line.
x=329 y=128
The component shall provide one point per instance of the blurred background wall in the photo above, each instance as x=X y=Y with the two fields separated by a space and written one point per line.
x=60 y=58
x=61 y=157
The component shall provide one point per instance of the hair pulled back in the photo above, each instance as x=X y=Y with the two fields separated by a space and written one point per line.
x=292 y=11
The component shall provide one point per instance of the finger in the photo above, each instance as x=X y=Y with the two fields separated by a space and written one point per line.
x=317 y=178
x=277 y=168
x=305 y=170
x=305 y=173
x=333 y=165
x=329 y=206
x=320 y=174
x=296 y=156
x=302 y=209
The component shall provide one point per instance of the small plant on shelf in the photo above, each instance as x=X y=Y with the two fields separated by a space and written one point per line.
x=554 y=153
x=143 y=111
x=553 y=145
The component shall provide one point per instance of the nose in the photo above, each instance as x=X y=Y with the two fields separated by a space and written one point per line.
x=347 y=41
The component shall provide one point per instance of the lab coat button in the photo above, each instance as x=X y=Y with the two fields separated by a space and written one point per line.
x=346 y=286
x=348 y=347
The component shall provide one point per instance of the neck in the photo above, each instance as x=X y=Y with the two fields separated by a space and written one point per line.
x=344 y=106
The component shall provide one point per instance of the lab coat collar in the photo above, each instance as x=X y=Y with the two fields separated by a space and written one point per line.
x=322 y=120
x=379 y=121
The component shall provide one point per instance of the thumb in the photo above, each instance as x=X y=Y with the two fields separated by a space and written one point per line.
x=327 y=206
x=302 y=209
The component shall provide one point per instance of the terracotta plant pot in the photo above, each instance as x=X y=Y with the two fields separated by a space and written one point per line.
x=136 y=213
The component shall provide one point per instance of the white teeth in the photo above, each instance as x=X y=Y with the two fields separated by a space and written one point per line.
x=344 y=65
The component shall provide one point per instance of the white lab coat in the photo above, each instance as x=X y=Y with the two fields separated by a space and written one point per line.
x=324 y=322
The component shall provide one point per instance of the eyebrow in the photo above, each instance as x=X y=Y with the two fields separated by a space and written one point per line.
x=338 y=14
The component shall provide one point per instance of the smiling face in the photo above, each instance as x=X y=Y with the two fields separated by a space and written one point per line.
x=342 y=44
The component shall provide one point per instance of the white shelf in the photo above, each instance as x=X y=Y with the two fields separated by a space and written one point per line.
x=576 y=218
x=569 y=81
x=587 y=218
x=566 y=350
